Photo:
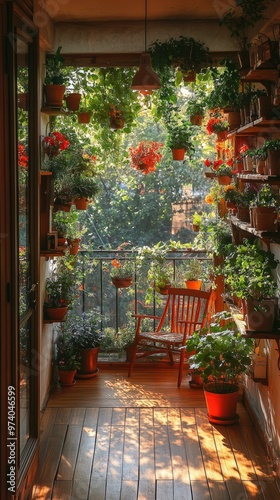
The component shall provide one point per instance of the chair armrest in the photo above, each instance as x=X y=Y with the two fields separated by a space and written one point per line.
x=139 y=319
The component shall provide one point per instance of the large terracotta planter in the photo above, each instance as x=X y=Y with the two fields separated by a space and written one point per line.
x=66 y=378
x=221 y=408
x=178 y=154
x=88 y=363
x=260 y=315
x=54 y=95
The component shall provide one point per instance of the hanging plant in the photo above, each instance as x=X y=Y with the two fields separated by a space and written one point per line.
x=145 y=156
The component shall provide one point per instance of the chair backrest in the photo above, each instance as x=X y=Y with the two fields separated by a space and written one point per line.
x=186 y=310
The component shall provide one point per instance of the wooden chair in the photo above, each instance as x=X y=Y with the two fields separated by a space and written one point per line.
x=185 y=312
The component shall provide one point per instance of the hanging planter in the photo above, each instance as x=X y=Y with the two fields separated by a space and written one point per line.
x=123 y=282
x=178 y=154
x=145 y=156
x=224 y=180
x=73 y=101
x=84 y=116
x=81 y=203
x=196 y=120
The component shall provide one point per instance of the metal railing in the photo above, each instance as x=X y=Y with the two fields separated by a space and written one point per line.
x=117 y=305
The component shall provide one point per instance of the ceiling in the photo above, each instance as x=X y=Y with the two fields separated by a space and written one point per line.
x=134 y=10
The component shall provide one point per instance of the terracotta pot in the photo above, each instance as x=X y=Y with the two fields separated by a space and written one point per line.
x=261 y=315
x=196 y=120
x=193 y=284
x=221 y=136
x=178 y=154
x=66 y=378
x=265 y=218
x=195 y=228
x=221 y=408
x=73 y=246
x=81 y=203
x=73 y=101
x=88 y=362
x=190 y=76
x=224 y=180
x=84 y=117
x=243 y=214
x=274 y=162
x=117 y=123
x=54 y=95
x=234 y=120
x=56 y=313
x=122 y=282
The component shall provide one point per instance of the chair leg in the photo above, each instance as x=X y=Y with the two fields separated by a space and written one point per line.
x=181 y=366
x=133 y=357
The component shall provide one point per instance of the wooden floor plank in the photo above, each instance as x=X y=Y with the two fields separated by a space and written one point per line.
x=200 y=490
x=82 y=473
x=253 y=490
x=62 y=490
x=115 y=463
x=100 y=461
x=131 y=453
x=270 y=490
x=219 y=491
x=146 y=453
x=225 y=452
x=165 y=489
x=163 y=464
x=69 y=453
x=147 y=489
x=241 y=452
x=208 y=447
x=129 y=490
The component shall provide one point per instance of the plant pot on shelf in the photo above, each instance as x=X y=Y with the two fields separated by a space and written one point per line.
x=84 y=116
x=195 y=228
x=56 y=313
x=243 y=214
x=234 y=120
x=54 y=95
x=178 y=154
x=261 y=315
x=194 y=284
x=124 y=282
x=66 y=377
x=221 y=407
x=88 y=358
x=274 y=162
x=73 y=101
x=222 y=136
x=265 y=219
x=81 y=203
x=60 y=204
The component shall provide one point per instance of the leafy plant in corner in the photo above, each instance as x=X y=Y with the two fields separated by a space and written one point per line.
x=54 y=68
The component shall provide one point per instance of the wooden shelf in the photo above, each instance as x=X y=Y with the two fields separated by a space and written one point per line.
x=271 y=179
x=260 y=75
x=273 y=236
x=260 y=126
x=50 y=254
x=54 y=111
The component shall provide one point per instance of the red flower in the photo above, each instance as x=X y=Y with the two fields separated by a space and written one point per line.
x=207 y=163
x=144 y=157
x=55 y=142
x=22 y=156
x=217 y=164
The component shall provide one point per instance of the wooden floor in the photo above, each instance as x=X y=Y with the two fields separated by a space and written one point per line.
x=114 y=438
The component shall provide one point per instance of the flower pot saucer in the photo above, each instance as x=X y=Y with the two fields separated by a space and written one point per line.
x=87 y=375
x=68 y=385
x=223 y=421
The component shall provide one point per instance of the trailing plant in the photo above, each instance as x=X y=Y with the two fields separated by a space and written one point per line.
x=180 y=134
x=226 y=83
x=265 y=197
x=214 y=235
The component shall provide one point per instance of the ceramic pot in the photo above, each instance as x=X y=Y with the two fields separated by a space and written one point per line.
x=81 y=203
x=54 y=95
x=73 y=101
x=194 y=284
x=221 y=408
x=261 y=315
x=56 y=313
x=122 y=282
x=66 y=377
x=88 y=359
x=265 y=219
x=178 y=154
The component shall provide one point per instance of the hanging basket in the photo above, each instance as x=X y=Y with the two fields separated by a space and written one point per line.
x=84 y=117
x=122 y=282
x=73 y=101
x=81 y=203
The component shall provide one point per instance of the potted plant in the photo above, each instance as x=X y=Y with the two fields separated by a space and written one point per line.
x=196 y=110
x=248 y=275
x=59 y=293
x=264 y=209
x=145 y=156
x=53 y=144
x=54 y=82
x=160 y=276
x=222 y=169
x=221 y=355
x=179 y=137
x=196 y=220
x=225 y=94
x=271 y=151
x=194 y=270
x=122 y=272
x=74 y=235
x=66 y=359
x=219 y=126
x=86 y=338
x=84 y=189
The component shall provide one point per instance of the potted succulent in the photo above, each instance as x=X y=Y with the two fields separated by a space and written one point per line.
x=54 y=82
x=248 y=275
x=66 y=359
x=179 y=137
x=222 y=355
